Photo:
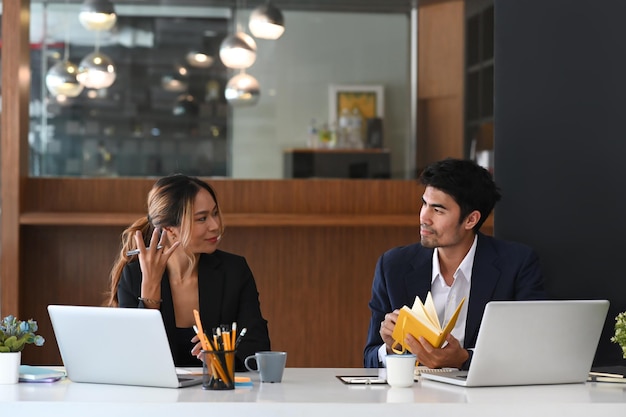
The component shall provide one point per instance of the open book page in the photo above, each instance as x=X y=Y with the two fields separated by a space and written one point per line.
x=429 y=306
x=421 y=313
x=453 y=319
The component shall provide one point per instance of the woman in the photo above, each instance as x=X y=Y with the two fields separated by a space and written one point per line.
x=180 y=269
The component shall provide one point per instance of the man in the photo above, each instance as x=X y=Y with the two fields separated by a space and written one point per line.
x=453 y=261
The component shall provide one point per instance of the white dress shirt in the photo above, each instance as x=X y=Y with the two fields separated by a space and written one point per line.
x=447 y=297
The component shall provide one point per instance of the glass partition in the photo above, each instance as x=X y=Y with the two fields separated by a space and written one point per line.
x=164 y=113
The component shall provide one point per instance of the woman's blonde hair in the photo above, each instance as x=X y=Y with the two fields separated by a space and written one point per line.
x=170 y=204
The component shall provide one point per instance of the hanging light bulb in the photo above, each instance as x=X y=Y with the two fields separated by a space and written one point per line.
x=61 y=79
x=176 y=81
x=97 y=15
x=267 y=22
x=242 y=90
x=96 y=71
x=238 y=51
x=198 y=59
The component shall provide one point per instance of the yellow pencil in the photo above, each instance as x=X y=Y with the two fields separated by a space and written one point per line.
x=201 y=334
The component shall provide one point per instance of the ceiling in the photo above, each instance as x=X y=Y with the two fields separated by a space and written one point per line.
x=366 y=6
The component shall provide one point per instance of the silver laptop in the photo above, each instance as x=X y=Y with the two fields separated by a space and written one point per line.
x=126 y=346
x=533 y=342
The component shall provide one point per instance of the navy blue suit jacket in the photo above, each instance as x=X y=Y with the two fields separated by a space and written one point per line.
x=502 y=271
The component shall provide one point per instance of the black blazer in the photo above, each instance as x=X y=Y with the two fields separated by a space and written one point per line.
x=502 y=271
x=227 y=293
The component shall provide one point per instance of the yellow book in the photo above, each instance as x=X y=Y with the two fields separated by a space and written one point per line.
x=422 y=320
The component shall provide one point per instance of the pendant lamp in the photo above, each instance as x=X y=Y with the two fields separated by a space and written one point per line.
x=96 y=70
x=97 y=15
x=61 y=77
x=238 y=51
x=242 y=90
x=198 y=59
x=176 y=81
x=267 y=22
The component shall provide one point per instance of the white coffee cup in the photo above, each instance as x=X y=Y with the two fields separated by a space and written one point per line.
x=400 y=370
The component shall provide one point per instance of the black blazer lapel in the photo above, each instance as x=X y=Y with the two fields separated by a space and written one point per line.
x=210 y=289
x=485 y=276
x=167 y=306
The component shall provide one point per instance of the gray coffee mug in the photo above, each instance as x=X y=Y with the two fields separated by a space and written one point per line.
x=270 y=365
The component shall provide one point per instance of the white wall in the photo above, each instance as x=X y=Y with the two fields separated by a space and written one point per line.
x=317 y=50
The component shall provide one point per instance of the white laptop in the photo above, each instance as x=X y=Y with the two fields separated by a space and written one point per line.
x=126 y=346
x=533 y=342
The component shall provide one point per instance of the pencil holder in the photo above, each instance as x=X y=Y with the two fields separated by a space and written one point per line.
x=218 y=369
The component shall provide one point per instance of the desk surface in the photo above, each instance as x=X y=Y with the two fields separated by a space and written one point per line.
x=314 y=392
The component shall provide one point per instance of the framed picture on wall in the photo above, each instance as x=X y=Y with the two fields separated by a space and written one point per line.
x=368 y=99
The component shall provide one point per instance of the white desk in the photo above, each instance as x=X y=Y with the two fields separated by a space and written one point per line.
x=314 y=392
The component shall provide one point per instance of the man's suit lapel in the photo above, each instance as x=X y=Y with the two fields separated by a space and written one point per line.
x=485 y=276
x=418 y=277
x=210 y=288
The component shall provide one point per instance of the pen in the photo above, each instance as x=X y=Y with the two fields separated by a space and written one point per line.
x=136 y=251
x=606 y=374
x=220 y=340
x=366 y=381
x=242 y=334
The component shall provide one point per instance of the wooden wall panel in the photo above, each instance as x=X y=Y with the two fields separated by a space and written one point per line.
x=127 y=195
x=441 y=136
x=14 y=144
x=62 y=265
x=441 y=42
x=441 y=28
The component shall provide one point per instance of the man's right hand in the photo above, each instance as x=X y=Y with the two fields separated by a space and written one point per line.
x=386 y=329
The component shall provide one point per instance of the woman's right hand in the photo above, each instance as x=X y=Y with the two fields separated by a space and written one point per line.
x=153 y=261
x=197 y=349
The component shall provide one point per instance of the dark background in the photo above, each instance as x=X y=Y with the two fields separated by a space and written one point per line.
x=560 y=143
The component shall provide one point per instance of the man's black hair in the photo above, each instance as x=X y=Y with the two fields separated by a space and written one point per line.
x=471 y=186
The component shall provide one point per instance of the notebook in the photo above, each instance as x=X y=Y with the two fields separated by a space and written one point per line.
x=533 y=342
x=125 y=346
